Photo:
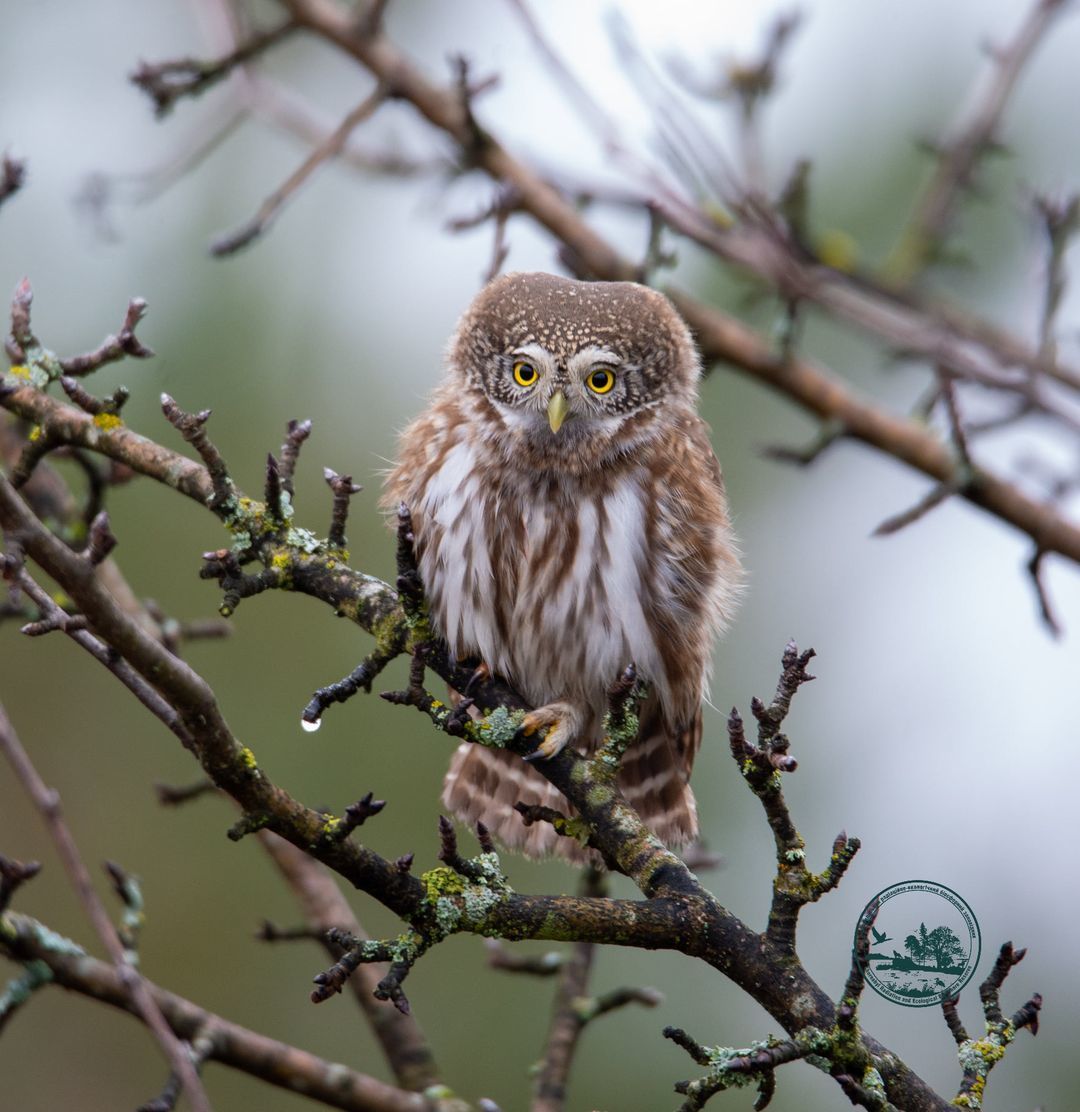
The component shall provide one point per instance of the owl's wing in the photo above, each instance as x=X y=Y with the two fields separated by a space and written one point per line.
x=697 y=576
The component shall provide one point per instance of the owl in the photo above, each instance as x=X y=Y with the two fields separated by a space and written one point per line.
x=570 y=518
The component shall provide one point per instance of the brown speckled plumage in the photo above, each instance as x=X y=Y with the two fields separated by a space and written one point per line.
x=560 y=556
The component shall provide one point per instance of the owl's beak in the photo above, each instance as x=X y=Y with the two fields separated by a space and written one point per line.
x=557 y=409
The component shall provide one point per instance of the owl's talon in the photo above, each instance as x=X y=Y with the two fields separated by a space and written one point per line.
x=542 y=752
x=561 y=723
x=481 y=674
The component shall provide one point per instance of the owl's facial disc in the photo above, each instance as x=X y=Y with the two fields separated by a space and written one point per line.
x=552 y=387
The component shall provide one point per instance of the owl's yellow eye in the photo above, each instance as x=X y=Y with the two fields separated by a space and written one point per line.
x=600 y=380
x=525 y=374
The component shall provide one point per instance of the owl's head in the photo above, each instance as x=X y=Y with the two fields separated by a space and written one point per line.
x=573 y=370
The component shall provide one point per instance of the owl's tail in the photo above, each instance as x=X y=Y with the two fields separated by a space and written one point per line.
x=484 y=784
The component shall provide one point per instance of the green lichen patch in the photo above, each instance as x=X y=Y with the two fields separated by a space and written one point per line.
x=19 y=989
x=978 y=1057
x=497 y=729
x=442 y=881
x=303 y=540
x=454 y=902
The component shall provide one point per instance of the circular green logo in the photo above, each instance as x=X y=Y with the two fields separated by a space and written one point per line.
x=924 y=943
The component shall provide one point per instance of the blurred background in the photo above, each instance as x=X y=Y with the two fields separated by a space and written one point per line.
x=942 y=730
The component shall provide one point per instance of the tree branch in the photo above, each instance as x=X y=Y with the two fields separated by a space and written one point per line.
x=974 y=136
x=26 y=940
x=136 y=993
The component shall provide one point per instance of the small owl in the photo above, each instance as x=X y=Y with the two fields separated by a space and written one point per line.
x=570 y=518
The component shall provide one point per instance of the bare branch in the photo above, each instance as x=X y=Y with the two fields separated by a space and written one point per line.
x=113 y=347
x=329 y=149
x=274 y=1062
x=973 y=136
x=323 y=906
x=979 y=1056
x=135 y=989
x=167 y=82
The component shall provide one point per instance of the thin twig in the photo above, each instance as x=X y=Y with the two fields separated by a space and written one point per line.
x=240 y=1048
x=12 y=176
x=1042 y=595
x=323 y=906
x=974 y=134
x=329 y=149
x=167 y=82
x=47 y=801
x=112 y=348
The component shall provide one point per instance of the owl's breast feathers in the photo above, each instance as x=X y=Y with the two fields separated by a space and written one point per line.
x=558 y=582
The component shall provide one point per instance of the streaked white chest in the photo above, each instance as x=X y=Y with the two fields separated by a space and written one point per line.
x=545 y=583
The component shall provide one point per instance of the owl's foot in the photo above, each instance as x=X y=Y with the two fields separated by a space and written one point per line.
x=562 y=723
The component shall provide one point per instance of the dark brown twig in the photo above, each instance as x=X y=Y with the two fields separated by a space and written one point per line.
x=323 y=906
x=569 y=1014
x=13 y=874
x=359 y=679
x=295 y=435
x=848 y=1008
x=12 y=176
x=192 y=427
x=172 y=795
x=343 y=489
x=356 y=814
x=100 y=541
x=1046 y=611
x=167 y=82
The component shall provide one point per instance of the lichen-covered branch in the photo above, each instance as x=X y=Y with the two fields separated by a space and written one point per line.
x=979 y=1056
x=404 y=1043
x=65 y=963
